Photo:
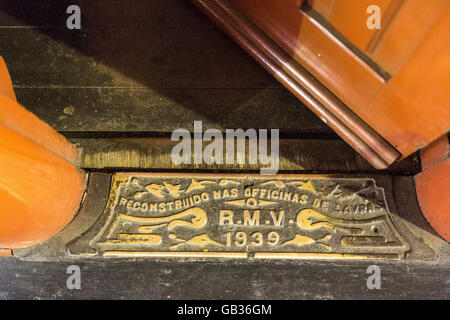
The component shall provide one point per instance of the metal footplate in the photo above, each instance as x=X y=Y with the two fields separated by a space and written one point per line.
x=243 y=216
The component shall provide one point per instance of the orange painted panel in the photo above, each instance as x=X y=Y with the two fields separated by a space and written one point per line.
x=5 y=253
x=411 y=24
x=410 y=110
x=6 y=88
x=413 y=109
x=39 y=191
x=332 y=63
x=433 y=193
x=436 y=152
x=19 y=119
x=349 y=17
x=324 y=7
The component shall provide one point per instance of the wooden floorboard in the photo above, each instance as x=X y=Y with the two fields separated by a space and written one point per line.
x=150 y=110
x=103 y=13
x=158 y=66
x=149 y=67
x=129 y=57
x=296 y=155
x=119 y=279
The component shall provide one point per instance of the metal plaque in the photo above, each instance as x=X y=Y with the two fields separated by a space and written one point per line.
x=241 y=216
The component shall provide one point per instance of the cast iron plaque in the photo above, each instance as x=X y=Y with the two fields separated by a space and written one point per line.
x=241 y=216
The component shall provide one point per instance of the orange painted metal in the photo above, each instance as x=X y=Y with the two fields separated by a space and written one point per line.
x=349 y=17
x=6 y=88
x=410 y=109
x=5 y=253
x=392 y=45
x=40 y=189
x=433 y=186
x=19 y=119
x=301 y=83
x=336 y=66
x=436 y=152
x=323 y=7
x=413 y=109
x=405 y=34
x=306 y=80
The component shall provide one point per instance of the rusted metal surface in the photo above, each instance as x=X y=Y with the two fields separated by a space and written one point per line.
x=370 y=145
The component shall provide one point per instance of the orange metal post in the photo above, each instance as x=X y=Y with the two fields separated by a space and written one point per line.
x=5 y=253
x=433 y=186
x=19 y=119
x=6 y=88
x=40 y=187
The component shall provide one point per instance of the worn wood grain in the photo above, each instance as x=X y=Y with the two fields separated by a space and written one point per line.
x=158 y=66
x=150 y=110
x=264 y=280
x=311 y=155
x=103 y=13
x=129 y=57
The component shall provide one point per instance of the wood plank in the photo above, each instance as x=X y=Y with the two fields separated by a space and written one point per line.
x=163 y=76
x=144 y=279
x=124 y=57
x=163 y=110
x=312 y=155
x=103 y=13
x=51 y=67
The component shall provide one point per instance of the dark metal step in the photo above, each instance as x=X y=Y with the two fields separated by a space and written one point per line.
x=245 y=216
